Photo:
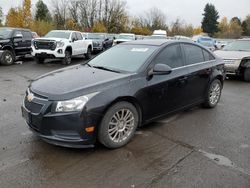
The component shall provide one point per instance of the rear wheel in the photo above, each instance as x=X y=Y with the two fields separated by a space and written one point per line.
x=118 y=125
x=7 y=58
x=39 y=60
x=67 y=59
x=213 y=94
x=247 y=75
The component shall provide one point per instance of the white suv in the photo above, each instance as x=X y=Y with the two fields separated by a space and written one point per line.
x=61 y=44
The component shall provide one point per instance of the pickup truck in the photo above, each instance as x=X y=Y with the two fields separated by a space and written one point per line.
x=61 y=44
x=14 y=43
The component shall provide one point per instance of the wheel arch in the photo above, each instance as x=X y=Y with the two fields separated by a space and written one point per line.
x=131 y=100
x=69 y=48
x=9 y=48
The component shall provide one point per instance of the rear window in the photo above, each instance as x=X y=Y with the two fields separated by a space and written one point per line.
x=193 y=54
x=207 y=56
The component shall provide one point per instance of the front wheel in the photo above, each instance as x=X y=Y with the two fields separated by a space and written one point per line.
x=7 y=58
x=67 y=59
x=247 y=75
x=88 y=55
x=213 y=94
x=39 y=60
x=118 y=125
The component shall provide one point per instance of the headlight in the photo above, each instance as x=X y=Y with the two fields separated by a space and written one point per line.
x=60 y=44
x=74 y=105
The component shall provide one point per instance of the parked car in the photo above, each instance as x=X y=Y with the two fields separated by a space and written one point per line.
x=61 y=44
x=180 y=37
x=14 y=43
x=207 y=42
x=160 y=32
x=236 y=56
x=101 y=41
x=154 y=37
x=123 y=88
x=124 y=37
x=35 y=35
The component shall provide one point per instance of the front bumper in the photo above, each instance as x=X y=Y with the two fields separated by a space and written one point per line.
x=232 y=66
x=57 y=53
x=63 y=129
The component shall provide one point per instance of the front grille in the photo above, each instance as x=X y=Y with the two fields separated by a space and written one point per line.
x=46 y=45
x=32 y=107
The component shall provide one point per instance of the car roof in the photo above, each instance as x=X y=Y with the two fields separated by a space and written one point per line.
x=157 y=42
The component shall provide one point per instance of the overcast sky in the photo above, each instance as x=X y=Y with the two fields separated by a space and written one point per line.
x=188 y=10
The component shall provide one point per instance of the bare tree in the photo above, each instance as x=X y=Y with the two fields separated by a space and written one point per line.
x=60 y=12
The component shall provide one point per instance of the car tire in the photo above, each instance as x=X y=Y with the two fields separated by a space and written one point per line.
x=88 y=55
x=213 y=94
x=7 y=58
x=39 y=60
x=67 y=59
x=118 y=125
x=247 y=75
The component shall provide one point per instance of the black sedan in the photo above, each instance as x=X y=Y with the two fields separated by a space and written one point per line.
x=123 y=88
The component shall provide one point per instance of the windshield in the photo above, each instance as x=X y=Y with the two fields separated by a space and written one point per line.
x=5 y=33
x=96 y=36
x=129 y=37
x=58 y=34
x=239 y=45
x=127 y=58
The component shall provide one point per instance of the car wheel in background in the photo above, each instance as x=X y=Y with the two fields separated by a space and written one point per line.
x=118 y=125
x=7 y=58
x=88 y=55
x=247 y=74
x=39 y=60
x=213 y=94
x=67 y=59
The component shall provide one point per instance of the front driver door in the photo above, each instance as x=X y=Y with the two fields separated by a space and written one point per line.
x=165 y=93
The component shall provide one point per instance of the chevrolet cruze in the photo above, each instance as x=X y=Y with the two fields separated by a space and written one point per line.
x=123 y=88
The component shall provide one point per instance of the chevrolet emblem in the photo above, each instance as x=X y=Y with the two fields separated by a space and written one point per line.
x=30 y=97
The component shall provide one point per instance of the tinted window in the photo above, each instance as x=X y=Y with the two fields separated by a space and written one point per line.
x=27 y=35
x=171 y=56
x=193 y=54
x=73 y=36
x=79 y=36
x=17 y=33
x=207 y=56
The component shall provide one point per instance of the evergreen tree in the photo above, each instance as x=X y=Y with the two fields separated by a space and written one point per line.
x=246 y=26
x=209 y=22
x=42 y=12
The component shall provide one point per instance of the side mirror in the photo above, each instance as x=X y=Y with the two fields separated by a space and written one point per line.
x=74 y=39
x=160 y=69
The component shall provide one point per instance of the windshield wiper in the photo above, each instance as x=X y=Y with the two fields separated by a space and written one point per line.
x=105 y=68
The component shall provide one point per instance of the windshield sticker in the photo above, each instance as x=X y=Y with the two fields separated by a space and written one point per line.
x=139 y=49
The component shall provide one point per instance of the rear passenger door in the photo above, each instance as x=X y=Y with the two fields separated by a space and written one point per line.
x=198 y=61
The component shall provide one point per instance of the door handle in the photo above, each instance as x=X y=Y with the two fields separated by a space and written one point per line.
x=184 y=78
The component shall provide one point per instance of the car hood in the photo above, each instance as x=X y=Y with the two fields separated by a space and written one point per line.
x=51 y=39
x=4 y=41
x=232 y=54
x=76 y=81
